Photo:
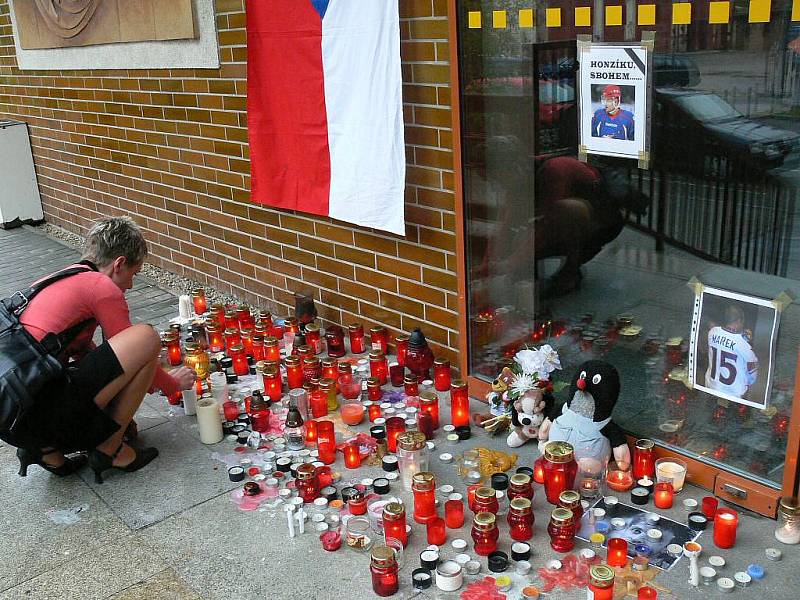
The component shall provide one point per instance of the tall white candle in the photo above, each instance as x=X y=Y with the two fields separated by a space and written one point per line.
x=185 y=307
x=208 y=421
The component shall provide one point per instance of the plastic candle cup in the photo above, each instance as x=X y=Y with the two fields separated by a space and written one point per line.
x=644 y=459
x=725 y=524
x=396 y=374
x=538 y=470
x=401 y=344
x=459 y=403
x=352 y=457
x=199 y=301
x=441 y=374
x=356 y=333
x=619 y=480
x=663 y=495
x=709 y=506
x=326 y=442
x=617 y=552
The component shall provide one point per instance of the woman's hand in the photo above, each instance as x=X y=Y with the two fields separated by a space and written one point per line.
x=184 y=376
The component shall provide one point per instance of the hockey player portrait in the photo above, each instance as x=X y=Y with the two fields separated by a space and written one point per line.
x=612 y=121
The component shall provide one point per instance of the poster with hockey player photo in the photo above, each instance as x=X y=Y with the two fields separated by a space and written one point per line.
x=614 y=99
x=732 y=346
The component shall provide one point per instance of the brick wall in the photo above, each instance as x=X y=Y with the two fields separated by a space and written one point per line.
x=169 y=147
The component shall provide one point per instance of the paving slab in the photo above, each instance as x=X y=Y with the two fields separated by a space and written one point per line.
x=93 y=575
x=166 y=585
x=183 y=475
x=31 y=543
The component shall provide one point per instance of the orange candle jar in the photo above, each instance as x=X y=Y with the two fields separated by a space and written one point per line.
x=459 y=403
x=172 y=342
x=239 y=358
x=352 y=411
x=401 y=343
x=441 y=374
x=378 y=367
x=423 y=485
x=197 y=359
x=379 y=339
x=272 y=349
x=199 y=301
x=394 y=522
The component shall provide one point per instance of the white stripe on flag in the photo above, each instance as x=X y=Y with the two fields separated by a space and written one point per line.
x=364 y=103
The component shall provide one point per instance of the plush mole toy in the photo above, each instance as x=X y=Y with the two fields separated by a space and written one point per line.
x=585 y=419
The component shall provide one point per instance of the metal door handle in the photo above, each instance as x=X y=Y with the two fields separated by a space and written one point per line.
x=734 y=491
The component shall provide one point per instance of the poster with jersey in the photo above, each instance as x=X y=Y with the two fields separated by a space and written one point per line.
x=614 y=100
x=732 y=346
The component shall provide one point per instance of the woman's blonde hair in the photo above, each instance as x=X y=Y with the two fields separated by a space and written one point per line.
x=108 y=239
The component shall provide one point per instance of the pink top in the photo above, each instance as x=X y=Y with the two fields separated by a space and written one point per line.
x=89 y=295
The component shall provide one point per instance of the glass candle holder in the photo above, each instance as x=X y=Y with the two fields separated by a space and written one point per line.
x=272 y=349
x=437 y=534
x=396 y=374
x=312 y=368
x=520 y=519
x=484 y=533
x=326 y=442
x=230 y=410
x=259 y=414
x=672 y=470
x=313 y=338
x=373 y=410
x=601 y=582
x=572 y=500
x=644 y=459
x=292 y=325
x=454 y=511
x=519 y=486
x=319 y=404
x=374 y=391
x=272 y=382
x=410 y=386
x=459 y=403
x=538 y=470
x=294 y=372
x=441 y=374
x=352 y=411
x=197 y=359
x=231 y=322
x=725 y=523
x=379 y=339
x=172 y=342
x=562 y=529
x=240 y=364
x=378 y=367
x=265 y=319
x=617 y=554
x=788 y=530
x=663 y=495
x=485 y=500
x=401 y=344
x=232 y=338
x=352 y=456
x=334 y=338
x=423 y=486
x=199 y=301
x=385 y=571
x=394 y=427
x=412 y=455
x=244 y=319
x=393 y=521
x=311 y=432
x=590 y=478
x=425 y=425
x=560 y=470
x=330 y=370
x=617 y=479
x=429 y=403
x=356 y=333
x=307 y=483
x=350 y=385
x=709 y=506
x=328 y=386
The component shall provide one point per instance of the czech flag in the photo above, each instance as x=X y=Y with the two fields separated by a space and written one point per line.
x=324 y=109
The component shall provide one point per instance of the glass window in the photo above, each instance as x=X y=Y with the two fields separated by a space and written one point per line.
x=595 y=257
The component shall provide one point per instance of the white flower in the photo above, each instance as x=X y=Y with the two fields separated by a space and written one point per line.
x=522 y=384
x=550 y=361
x=530 y=361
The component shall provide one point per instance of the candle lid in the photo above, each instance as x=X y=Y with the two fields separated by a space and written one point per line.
x=645 y=444
x=570 y=498
x=561 y=516
x=601 y=576
x=485 y=520
x=485 y=493
x=520 y=503
x=423 y=481
x=558 y=452
x=393 y=511
x=520 y=479
x=383 y=556
x=411 y=441
x=789 y=507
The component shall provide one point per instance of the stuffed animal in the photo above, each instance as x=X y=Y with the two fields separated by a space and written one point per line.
x=498 y=402
x=528 y=413
x=585 y=419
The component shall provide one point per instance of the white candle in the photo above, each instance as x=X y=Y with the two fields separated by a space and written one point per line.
x=208 y=421
x=219 y=387
x=670 y=471
x=190 y=401
x=185 y=307
x=290 y=519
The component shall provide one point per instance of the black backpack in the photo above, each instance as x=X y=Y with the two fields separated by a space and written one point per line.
x=27 y=366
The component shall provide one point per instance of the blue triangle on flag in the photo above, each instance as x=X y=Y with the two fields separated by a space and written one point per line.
x=320 y=6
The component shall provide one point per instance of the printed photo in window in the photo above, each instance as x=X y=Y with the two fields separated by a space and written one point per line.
x=613 y=115
x=733 y=340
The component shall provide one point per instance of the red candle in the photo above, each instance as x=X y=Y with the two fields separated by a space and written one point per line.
x=294 y=372
x=258 y=347
x=230 y=410
x=232 y=338
x=312 y=368
x=240 y=366
x=560 y=469
x=601 y=582
x=378 y=367
x=329 y=369
x=562 y=529
x=725 y=523
x=356 y=332
x=352 y=457
x=216 y=341
x=292 y=325
x=217 y=316
x=319 y=403
x=663 y=495
x=243 y=317
x=272 y=349
x=538 y=470
x=374 y=391
x=357 y=505
x=394 y=522
x=441 y=374
x=175 y=399
x=173 y=342
x=401 y=341
x=379 y=339
x=471 y=489
x=454 y=512
x=394 y=427
x=459 y=403
x=272 y=382
x=647 y=593
x=485 y=533
x=437 y=534
x=396 y=374
x=199 y=301
x=644 y=459
x=520 y=520
x=709 y=506
x=313 y=338
x=247 y=342
x=326 y=442
x=374 y=411
x=307 y=483
x=619 y=480
x=617 y=552
x=410 y=386
x=311 y=432
x=423 y=485
x=231 y=322
x=425 y=424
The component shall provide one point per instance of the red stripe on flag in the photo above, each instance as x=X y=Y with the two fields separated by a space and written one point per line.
x=287 y=122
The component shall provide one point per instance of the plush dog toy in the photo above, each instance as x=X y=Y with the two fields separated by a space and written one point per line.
x=528 y=413
x=585 y=419
x=499 y=416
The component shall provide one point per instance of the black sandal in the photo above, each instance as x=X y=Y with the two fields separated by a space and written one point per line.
x=100 y=462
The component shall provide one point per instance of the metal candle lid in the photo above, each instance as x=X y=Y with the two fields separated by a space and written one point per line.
x=393 y=511
x=645 y=444
x=411 y=441
x=485 y=520
x=485 y=493
x=423 y=481
x=559 y=452
x=306 y=471
x=520 y=479
x=562 y=516
x=601 y=576
x=521 y=504
x=383 y=556
x=569 y=498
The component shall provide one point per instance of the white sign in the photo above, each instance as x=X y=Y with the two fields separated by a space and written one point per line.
x=614 y=99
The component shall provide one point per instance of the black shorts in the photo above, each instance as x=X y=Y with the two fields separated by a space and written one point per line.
x=65 y=415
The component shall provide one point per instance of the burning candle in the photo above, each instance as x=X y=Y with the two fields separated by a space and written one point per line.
x=725 y=523
x=319 y=403
x=378 y=367
x=247 y=342
x=216 y=341
x=423 y=486
x=396 y=374
x=401 y=342
x=394 y=427
x=352 y=457
x=294 y=372
x=709 y=506
x=329 y=368
x=292 y=325
x=617 y=552
x=379 y=339
x=231 y=322
x=538 y=470
x=644 y=459
x=374 y=391
x=311 y=432
x=272 y=350
x=441 y=374
x=429 y=403
x=326 y=442
x=240 y=366
x=672 y=470
x=217 y=316
x=199 y=301
x=243 y=317
x=232 y=337
x=663 y=495
x=356 y=333
x=272 y=382
x=312 y=368
x=459 y=403
x=374 y=410
x=560 y=470
x=619 y=480
x=313 y=338
x=454 y=511
x=601 y=582
x=410 y=386
x=394 y=522
x=230 y=410
x=173 y=343
x=437 y=534
x=646 y=483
